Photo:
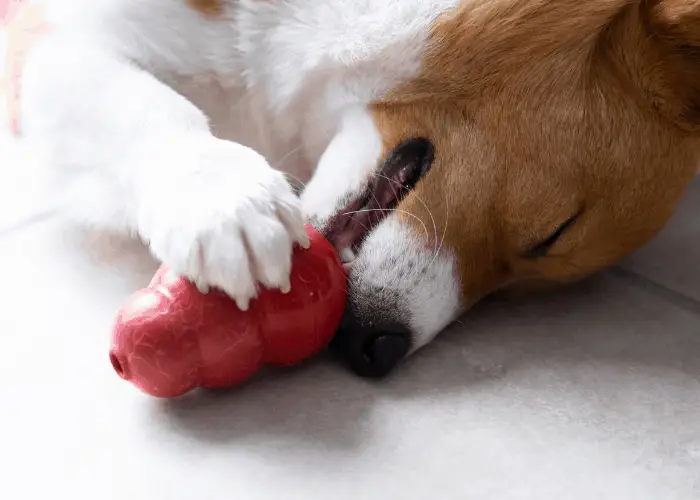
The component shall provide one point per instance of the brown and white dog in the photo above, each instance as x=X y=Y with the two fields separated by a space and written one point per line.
x=447 y=148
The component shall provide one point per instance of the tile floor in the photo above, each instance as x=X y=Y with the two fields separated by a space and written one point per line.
x=589 y=393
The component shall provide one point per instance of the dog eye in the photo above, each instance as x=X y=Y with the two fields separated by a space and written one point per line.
x=542 y=248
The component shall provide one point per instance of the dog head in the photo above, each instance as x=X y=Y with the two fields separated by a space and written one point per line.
x=540 y=140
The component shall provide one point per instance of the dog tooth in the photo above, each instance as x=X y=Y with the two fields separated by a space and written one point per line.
x=347 y=255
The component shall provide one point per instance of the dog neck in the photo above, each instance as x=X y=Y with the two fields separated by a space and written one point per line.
x=367 y=47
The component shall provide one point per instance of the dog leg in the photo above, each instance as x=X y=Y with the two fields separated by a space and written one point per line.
x=133 y=155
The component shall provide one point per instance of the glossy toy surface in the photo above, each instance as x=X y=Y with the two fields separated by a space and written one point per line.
x=170 y=338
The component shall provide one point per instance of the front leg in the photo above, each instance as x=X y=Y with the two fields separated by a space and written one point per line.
x=131 y=154
x=216 y=212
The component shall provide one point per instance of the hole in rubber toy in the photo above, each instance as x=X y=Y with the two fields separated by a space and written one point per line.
x=116 y=365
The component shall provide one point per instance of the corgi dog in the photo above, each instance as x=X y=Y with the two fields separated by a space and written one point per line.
x=447 y=148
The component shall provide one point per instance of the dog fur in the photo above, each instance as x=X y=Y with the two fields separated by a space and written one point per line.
x=563 y=134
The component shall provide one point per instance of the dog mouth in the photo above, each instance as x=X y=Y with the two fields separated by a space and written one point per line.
x=400 y=173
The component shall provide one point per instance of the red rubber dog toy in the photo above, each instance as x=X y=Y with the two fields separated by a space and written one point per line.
x=169 y=338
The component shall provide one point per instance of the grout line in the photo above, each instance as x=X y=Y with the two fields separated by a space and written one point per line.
x=677 y=298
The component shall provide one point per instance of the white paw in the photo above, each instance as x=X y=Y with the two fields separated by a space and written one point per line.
x=215 y=212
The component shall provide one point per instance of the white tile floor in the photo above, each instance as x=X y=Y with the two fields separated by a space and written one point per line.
x=592 y=393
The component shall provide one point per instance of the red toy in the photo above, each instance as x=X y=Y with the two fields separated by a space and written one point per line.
x=169 y=338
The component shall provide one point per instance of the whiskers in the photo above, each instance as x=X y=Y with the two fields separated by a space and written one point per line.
x=438 y=240
x=298 y=184
x=437 y=246
x=444 y=230
x=387 y=210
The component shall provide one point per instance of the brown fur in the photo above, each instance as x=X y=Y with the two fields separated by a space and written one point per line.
x=540 y=109
x=209 y=7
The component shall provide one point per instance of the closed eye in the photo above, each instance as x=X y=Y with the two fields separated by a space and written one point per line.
x=543 y=247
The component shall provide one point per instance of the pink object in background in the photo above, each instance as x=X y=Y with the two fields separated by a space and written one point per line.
x=8 y=9
x=23 y=22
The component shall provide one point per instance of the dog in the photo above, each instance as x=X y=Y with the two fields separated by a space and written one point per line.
x=448 y=149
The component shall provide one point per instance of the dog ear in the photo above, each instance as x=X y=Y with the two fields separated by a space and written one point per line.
x=675 y=27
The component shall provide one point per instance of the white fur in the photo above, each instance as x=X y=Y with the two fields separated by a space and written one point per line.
x=351 y=157
x=167 y=123
x=394 y=263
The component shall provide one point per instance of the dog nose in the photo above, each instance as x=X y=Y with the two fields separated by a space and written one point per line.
x=371 y=349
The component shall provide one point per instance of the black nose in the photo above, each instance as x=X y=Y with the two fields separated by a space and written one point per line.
x=371 y=349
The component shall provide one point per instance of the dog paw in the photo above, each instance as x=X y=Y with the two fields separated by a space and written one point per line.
x=218 y=214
